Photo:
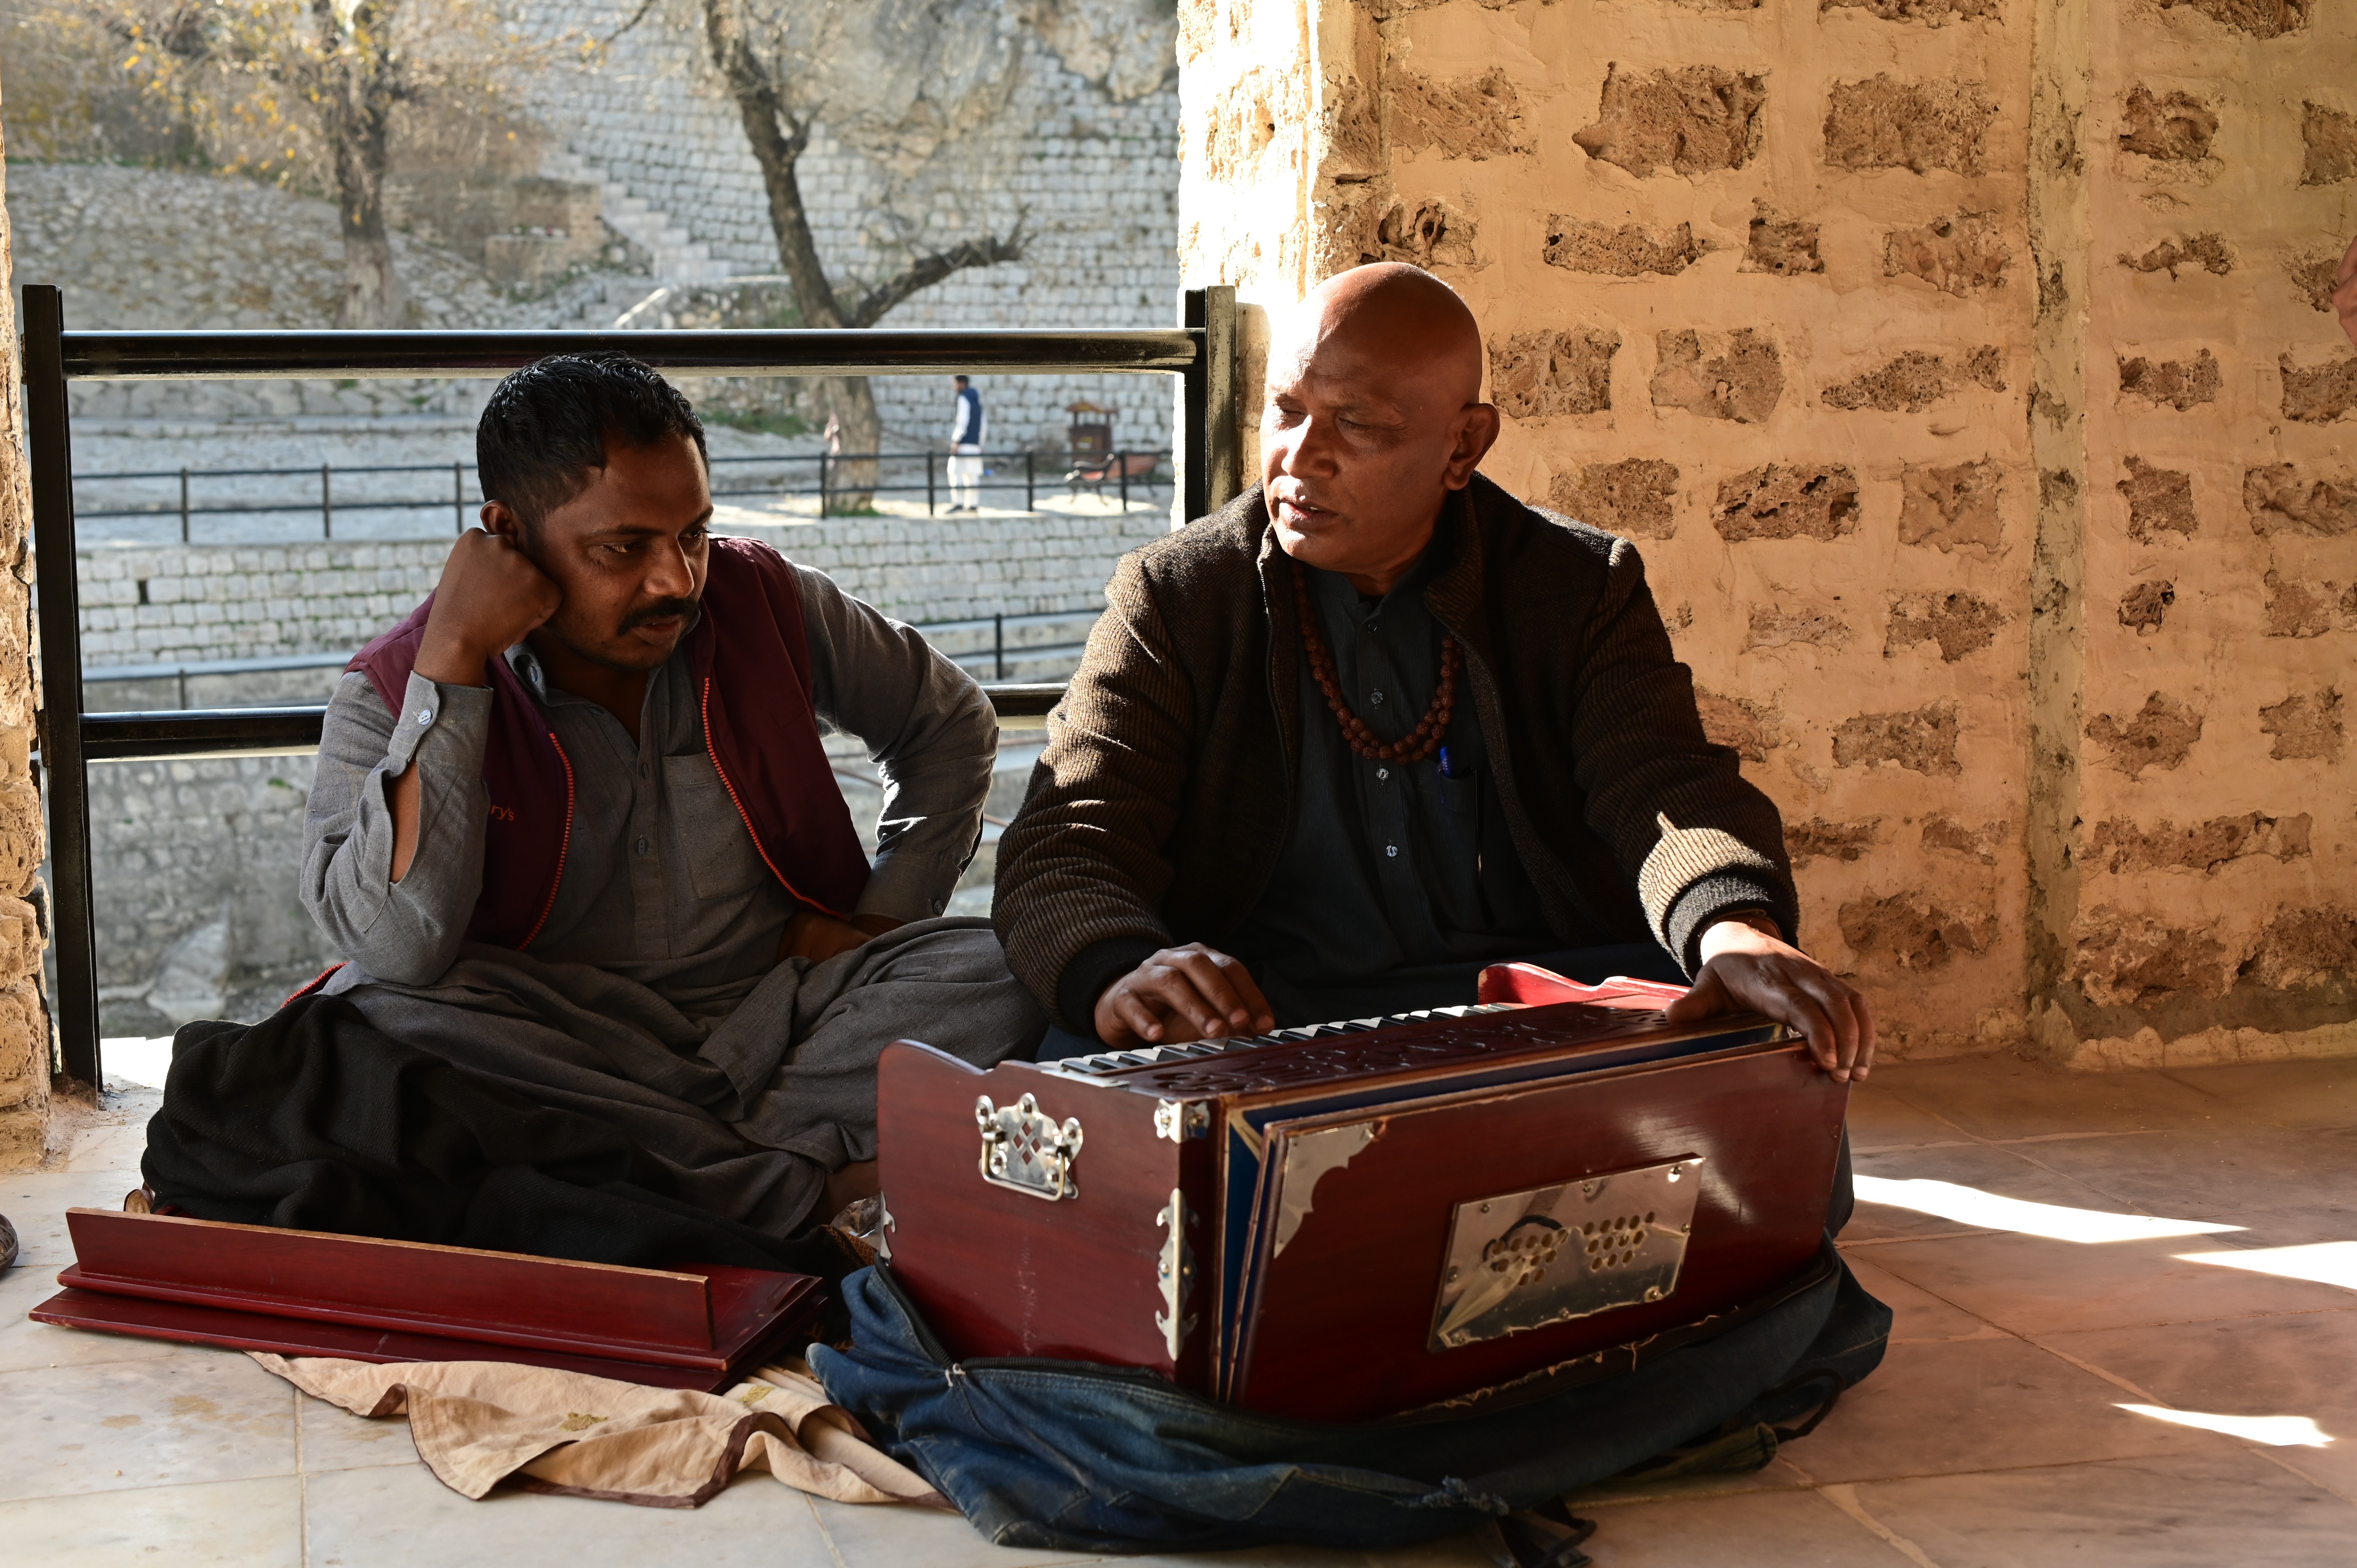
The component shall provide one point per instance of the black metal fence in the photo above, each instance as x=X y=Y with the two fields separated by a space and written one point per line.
x=778 y=475
x=1201 y=351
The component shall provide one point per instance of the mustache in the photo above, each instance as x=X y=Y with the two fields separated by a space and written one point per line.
x=691 y=610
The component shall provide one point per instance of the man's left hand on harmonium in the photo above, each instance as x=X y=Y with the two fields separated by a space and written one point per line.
x=1748 y=965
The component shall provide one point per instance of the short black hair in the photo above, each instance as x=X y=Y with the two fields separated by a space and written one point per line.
x=546 y=426
x=959 y=380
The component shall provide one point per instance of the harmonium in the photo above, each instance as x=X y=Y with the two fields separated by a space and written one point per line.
x=1358 y=1219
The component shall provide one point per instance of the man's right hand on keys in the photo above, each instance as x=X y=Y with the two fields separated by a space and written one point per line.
x=492 y=596
x=1193 y=993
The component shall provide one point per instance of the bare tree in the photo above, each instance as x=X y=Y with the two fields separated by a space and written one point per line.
x=337 y=67
x=778 y=135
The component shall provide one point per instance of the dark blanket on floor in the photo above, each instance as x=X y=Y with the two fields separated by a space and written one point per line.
x=313 y=1119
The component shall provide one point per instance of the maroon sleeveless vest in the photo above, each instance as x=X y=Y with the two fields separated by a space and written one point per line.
x=748 y=659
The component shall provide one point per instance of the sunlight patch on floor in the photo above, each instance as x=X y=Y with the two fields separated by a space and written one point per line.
x=2271 y=1430
x=2326 y=1262
x=1970 y=1206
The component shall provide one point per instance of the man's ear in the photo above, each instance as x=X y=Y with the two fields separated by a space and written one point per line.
x=498 y=519
x=1476 y=432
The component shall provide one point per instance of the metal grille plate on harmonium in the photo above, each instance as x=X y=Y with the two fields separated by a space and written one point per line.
x=1359 y=1219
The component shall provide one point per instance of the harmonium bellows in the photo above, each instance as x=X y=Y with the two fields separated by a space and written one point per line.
x=1365 y=1217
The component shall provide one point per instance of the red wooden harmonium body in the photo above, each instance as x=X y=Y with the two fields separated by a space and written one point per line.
x=1362 y=1219
x=310 y=1293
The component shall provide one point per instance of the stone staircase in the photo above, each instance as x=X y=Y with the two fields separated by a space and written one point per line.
x=676 y=256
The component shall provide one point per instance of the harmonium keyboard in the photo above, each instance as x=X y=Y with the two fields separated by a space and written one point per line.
x=1358 y=1219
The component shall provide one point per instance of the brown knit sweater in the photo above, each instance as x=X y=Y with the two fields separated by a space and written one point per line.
x=1160 y=807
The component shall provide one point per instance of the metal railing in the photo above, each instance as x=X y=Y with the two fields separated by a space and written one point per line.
x=1201 y=351
x=1121 y=470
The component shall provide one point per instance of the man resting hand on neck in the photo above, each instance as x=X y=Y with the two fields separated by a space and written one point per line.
x=1375 y=725
x=575 y=829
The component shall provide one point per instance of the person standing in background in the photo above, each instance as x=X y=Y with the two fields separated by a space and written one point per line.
x=965 y=448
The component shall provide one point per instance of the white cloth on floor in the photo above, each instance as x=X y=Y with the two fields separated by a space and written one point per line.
x=478 y=1424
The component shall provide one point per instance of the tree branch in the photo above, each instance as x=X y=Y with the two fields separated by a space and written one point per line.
x=777 y=139
x=927 y=270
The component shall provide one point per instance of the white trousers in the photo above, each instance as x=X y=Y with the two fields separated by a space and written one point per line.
x=965 y=474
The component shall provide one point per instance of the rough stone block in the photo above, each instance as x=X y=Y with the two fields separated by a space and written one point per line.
x=1881 y=123
x=1539 y=375
x=1576 y=245
x=1466 y=117
x=2329 y=136
x=2306 y=724
x=2158 y=735
x=2121 y=846
x=2305 y=947
x=1959 y=623
x=2143 y=607
x=2172 y=128
x=1781 y=500
x=1818 y=839
x=1693 y=120
x=1781 y=246
x=2160 y=501
x=2208 y=251
x=2318 y=395
x=1780 y=626
x=1632 y=498
x=2122 y=960
x=2285 y=498
x=1738 y=376
x=1953 y=507
x=1959 y=255
x=1933 y=13
x=1912 y=933
x=1430 y=234
x=1951 y=836
x=2301 y=608
x=1752 y=729
x=2179 y=384
x=1921 y=740
x=2259 y=18
x=1915 y=381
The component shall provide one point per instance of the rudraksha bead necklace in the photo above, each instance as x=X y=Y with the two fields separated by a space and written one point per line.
x=1420 y=742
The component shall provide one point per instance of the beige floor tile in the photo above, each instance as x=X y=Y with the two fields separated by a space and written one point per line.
x=2000 y=1172
x=1759 y=1530
x=198 y=1416
x=2234 y=1174
x=401 y=1517
x=911 y=1538
x=36 y=1203
x=1918 y=1315
x=2032 y=1285
x=1880 y=1120
x=25 y=1343
x=2284 y=1094
x=1778 y=1475
x=2231 y=1507
x=2003 y=1097
x=251 y=1524
x=2298 y=1365
x=1980 y=1404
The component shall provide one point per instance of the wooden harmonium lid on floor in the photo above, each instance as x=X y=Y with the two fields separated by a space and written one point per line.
x=1362 y=1218
x=309 y=1293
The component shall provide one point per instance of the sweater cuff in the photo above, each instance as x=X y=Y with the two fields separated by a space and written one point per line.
x=1092 y=969
x=1714 y=898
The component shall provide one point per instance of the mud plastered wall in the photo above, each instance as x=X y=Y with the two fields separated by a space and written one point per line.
x=24 y=1020
x=1821 y=306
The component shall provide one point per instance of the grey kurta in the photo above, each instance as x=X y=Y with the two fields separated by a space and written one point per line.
x=652 y=997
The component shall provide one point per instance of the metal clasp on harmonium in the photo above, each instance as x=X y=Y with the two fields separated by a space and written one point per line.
x=1024 y=1149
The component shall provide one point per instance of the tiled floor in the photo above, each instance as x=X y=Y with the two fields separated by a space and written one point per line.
x=2185 y=1394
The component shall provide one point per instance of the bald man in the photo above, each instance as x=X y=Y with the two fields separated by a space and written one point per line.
x=1377 y=724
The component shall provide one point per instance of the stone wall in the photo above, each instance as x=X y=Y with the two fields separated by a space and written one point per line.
x=24 y=1047
x=1963 y=375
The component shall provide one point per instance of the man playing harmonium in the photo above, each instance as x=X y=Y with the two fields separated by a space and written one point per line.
x=577 y=832
x=1377 y=724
